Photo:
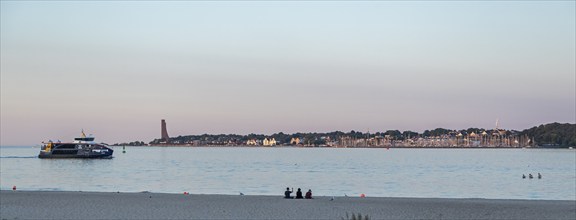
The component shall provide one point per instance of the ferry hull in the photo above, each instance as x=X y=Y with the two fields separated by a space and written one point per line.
x=48 y=155
x=79 y=151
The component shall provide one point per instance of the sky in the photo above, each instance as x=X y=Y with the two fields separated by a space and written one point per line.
x=115 y=69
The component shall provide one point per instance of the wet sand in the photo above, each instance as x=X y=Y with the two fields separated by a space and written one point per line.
x=106 y=205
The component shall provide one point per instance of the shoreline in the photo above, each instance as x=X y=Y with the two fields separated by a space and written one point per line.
x=319 y=147
x=326 y=147
x=144 y=205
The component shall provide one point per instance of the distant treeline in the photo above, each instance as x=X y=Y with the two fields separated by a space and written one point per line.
x=554 y=134
x=134 y=143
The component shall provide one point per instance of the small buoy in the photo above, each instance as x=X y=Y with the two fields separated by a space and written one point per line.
x=185 y=193
x=13 y=187
x=362 y=195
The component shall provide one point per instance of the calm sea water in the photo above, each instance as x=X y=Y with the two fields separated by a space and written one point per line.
x=436 y=173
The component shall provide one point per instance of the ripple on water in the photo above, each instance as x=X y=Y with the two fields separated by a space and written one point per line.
x=400 y=172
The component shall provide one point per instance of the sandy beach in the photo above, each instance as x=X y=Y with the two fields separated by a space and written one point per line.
x=106 y=205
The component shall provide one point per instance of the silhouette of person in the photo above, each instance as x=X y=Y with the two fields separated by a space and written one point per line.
x=299 y=194
x=530 y=176
x=287 y=193
x=539 y=176
x=308 y=194
x=523 y=176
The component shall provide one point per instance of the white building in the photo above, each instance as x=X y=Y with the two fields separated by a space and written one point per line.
x=295 y=141
x=251 y=142
x=269 y=142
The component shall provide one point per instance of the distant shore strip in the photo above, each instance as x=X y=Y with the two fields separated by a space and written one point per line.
x=553 y=135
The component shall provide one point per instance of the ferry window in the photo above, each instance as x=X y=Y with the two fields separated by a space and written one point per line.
x=67 y=146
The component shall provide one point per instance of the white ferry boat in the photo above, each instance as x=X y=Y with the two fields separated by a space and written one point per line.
x=82 y=147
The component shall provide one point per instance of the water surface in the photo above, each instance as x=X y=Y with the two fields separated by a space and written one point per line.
x=436 y=173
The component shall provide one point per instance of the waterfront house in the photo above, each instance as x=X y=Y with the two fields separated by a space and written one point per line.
x=295 y=141
x=269 y=142
x=252 y=142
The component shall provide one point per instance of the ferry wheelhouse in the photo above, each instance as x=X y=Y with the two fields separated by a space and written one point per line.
x=82 y=147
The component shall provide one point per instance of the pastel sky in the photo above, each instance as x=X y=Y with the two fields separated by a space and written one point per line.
x=115 y=69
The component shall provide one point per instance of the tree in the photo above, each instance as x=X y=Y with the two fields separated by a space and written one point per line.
x=409 y=134
x=562 y=135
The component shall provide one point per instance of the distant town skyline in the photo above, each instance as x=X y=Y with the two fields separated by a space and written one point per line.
x=115 y=69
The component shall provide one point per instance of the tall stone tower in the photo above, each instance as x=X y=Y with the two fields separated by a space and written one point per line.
x=165 y=136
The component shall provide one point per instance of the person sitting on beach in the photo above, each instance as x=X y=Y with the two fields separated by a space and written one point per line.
x=308 y=194
x=287 y=193
x=299 y=194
